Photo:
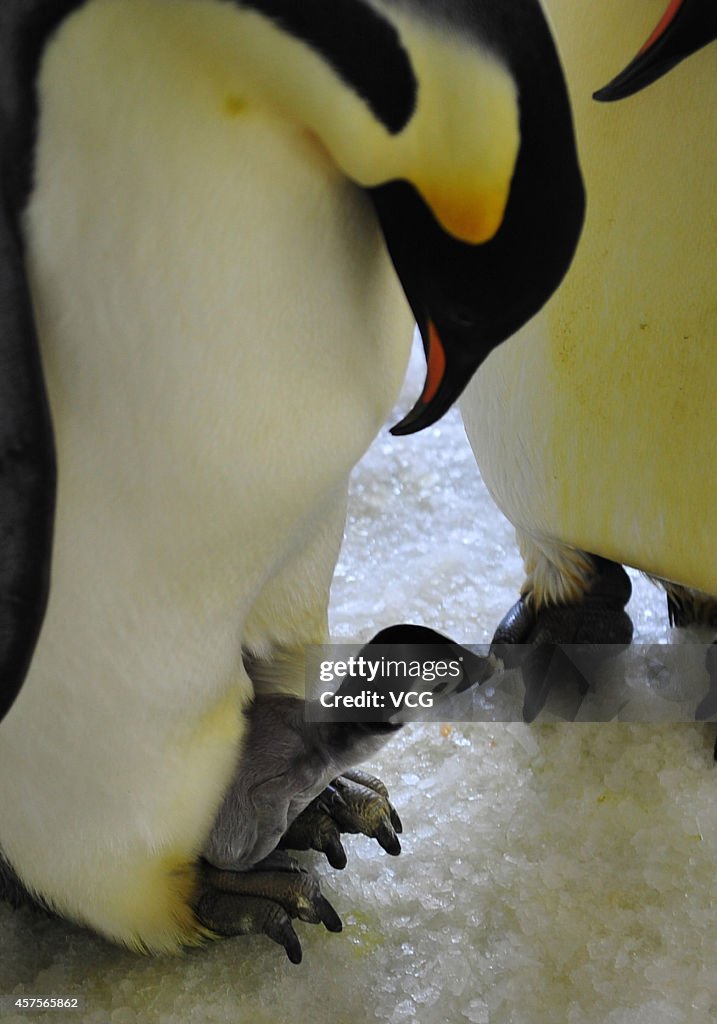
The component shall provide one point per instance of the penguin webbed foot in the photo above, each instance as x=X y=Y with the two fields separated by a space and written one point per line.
x=356 y=803
x=597 y=619
x=263 y=901
x=687 y=608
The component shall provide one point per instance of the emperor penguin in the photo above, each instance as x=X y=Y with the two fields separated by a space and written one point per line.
x=589 y=425
x=219 y=221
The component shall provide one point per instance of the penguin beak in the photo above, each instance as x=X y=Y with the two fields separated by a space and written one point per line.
x=445 y=380
x=469 y=298
x=450 y=342
x=685 y=27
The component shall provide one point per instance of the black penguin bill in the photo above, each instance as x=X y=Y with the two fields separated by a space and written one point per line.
x=685 y=27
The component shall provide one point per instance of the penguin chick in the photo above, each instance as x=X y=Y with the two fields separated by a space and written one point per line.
x=202 y=330
x=294 y=750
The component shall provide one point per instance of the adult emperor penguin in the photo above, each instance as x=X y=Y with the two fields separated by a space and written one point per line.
x=193 y=273
x=589 y=425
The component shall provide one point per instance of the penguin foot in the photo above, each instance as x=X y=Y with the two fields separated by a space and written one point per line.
x=597 y=619
x=263 y=901
x=355 y=802
x=688 y=607
x=707 y=707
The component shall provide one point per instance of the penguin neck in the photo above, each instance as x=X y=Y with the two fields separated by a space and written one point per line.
x=547 y=167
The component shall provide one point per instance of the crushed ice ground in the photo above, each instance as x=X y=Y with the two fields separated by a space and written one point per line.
x=558 y=873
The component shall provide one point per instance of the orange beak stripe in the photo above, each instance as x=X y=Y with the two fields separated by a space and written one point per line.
x=436 y=364
x=665 y=21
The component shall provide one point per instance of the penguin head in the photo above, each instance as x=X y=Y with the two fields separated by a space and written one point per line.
x=685 y=27
x=470 y=290
x=454 y=116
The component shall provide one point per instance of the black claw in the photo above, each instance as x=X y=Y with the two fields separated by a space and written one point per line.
x=293 y=947
x=277 y=926
x=335 y=853
x=514 y=629
x=395 y=820
x=328 y=916
x=388 y=840
x=308 y=904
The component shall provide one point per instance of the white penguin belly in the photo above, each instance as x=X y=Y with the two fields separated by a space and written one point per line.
x=593 y=426
x=223 y=336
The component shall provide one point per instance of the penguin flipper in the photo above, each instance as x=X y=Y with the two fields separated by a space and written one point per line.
x=27 y=472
